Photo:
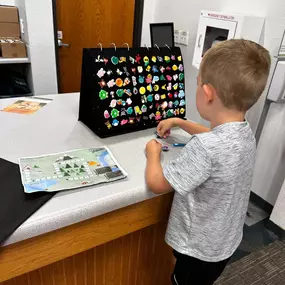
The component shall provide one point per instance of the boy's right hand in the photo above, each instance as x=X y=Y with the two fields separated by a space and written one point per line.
x=164 y=127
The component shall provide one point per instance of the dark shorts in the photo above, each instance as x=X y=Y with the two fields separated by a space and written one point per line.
x=192 y=271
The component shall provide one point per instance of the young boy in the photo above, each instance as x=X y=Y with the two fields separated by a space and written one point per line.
x=212 y=174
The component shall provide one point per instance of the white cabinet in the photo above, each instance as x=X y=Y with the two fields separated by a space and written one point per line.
x=215 y=27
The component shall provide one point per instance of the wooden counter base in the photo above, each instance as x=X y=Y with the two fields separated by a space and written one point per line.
x=124 y=247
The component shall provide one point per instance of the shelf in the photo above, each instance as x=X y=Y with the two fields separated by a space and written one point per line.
x=14 y=60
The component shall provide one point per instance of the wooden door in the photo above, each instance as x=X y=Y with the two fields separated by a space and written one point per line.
x=84 y=24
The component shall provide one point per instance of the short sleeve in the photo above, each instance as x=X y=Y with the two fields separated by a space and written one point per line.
x=189 y=169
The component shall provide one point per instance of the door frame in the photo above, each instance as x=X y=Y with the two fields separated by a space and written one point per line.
x=137 y=32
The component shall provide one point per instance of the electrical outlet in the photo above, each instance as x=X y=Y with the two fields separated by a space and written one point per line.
x=176 y=36
x=184 y=38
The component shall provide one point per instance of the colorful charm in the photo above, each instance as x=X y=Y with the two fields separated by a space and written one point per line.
x=169 y=113
x=153 y=59
x=149 y=88
x=168 y=68
x=142 y=90
x=144 y=108
x=182 y=111
x=151 y=116
x=114 y=60
x=113 y=103
x=124 y=122
x=160 y=58
x=99 y=59
x=169 y=95
x=128 y=92
x=119 y=82
x=115 y=123
x=156 y=87
x=175 y=86
x=103 y=94
x=179 y=58
x=181 y=67
x=106 y=60
x=182 y=103
x=154 y=69
x=111 y=83
x=173 y=57
x=150 y=98
x=119 y=72
x=181 y=76
x=169 y=77
x=176 y=103
x=141 y=79
x=163 y=96
x=170 y=104
x=138 y=59
x=157 y=97
x=164 y=105
x=126 y=71
x=175 y=77
x=112 y=93
x=162 y=69
x=108 y=124
x=132 y=120
x=134 y=79
x=127 y=81
x=130 y=110
x=109 y=72
x=167 y=59
x=131 y=59
x=122 y=59
x=169 y=86
x=163 y=87
x=123 y=112
x=137 y=110
x=102 y=83
x=140 y=69
x=129 y=101
x=120 y=92
x=101 y=72
x=175 y=94
x=146 y=60
x=114 y=113
x=181 y=94
x=148 y=79
x=174 y=67
x=155 y=79
x=134 y=70
x=135 y=90
x=148 y=68
x=106 y=114
x=157 y=115
x=181 y=85
x=162 y=77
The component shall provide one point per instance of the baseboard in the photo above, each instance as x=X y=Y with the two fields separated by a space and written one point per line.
x=261 y=203
x=275 y=229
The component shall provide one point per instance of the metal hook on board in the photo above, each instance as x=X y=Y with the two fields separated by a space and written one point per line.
x=99 y=44
x=126 y=44
x=113 y=45
x=167 y=46
x=146 y=47
x=157 y=47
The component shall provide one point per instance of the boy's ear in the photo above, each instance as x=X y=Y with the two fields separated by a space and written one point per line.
x=210 y=92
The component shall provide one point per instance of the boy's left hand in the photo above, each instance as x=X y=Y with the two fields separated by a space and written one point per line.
x=153 y=148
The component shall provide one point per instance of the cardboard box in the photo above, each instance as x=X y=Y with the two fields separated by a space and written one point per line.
x=13 y=48
x=9 y=14
x=9 y=30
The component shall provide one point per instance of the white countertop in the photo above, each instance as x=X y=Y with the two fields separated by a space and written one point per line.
x=55 y=128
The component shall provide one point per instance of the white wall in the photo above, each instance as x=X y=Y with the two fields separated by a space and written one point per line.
x=7 y=2
x=41 y=45
x=269 y=175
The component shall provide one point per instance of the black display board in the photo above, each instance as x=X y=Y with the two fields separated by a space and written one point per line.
x=125 y=90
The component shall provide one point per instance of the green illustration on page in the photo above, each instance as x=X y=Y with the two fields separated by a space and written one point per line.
x=69 y=170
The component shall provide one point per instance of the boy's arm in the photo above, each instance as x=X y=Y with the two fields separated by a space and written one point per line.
x=190 y=127
x=155 y=179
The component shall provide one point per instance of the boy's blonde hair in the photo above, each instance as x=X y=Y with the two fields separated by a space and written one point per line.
x=238 y=70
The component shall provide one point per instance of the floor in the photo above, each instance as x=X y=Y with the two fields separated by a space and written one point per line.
x=260 y=259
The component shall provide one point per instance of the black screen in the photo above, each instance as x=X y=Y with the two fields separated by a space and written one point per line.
x=162 y=34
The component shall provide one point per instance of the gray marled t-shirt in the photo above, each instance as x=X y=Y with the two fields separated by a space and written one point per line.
x=211 y=178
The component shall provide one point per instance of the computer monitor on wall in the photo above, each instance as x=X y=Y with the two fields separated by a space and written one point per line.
x=162 y=34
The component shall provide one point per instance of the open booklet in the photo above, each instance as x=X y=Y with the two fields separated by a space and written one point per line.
x=69 y=170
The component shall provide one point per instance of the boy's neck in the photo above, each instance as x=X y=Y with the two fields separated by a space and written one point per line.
x=227 y=116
